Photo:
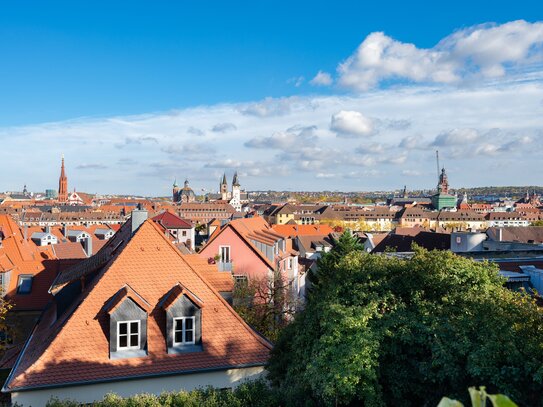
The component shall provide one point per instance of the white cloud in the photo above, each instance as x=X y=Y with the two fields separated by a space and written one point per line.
x=268 y=107
x=294 y=138
x=296 y=146
x=351 y=124
x=223 y=127
x=485 y=51
x=325 y=175
x=296 y=81
x=456 y=137
x=411 y=173
x=321 y=79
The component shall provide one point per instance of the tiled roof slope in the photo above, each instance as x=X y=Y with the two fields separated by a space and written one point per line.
x=75 y=348
x=219 y=280
x=302 y=230
x=171 y=221
x=18 y=256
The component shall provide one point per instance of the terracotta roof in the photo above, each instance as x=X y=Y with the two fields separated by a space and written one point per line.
x=21 y=257
x=255 y=228
x=528 y=234
x=75 y=347
x=221 y=281
x=171 y=221
x=69 y=250
x=301 y=230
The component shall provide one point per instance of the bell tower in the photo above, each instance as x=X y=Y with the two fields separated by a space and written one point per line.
x=223 y=188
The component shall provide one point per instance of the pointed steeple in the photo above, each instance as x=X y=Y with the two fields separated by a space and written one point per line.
x=175 y=183
x=62 y=183
x=235 y=181
x=223 y=182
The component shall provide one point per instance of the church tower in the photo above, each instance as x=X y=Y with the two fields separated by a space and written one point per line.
x=236 y=193
x=175 y=192
x=223 y=188
x=63 y=184
x=443 y=185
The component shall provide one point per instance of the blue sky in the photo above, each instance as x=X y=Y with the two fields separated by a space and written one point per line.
x=215 y=86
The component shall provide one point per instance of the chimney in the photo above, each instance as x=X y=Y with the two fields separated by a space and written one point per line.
x=138 y=217
x=65 y=230
x=48 y=229
x=87 y=246
x=500 y=234
x=26 y=232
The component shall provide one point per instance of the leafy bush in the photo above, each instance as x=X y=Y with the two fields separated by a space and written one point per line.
x=380 y=330
x=255 y=393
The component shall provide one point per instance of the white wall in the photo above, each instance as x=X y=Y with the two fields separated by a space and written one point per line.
x=93 y=392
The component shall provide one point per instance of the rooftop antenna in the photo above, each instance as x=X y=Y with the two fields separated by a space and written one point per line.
x=437 y=162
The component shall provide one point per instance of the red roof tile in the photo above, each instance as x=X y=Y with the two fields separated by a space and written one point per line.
x=75 y=347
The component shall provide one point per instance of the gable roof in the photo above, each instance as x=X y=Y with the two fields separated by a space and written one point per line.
x=74 y=348
x=255 y=228
x=171 y=221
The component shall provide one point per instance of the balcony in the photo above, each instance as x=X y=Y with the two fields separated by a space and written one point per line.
x=225 y=266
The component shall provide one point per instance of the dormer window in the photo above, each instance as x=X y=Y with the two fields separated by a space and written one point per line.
x=183 y=320
x=128 y=313
x=128 y=335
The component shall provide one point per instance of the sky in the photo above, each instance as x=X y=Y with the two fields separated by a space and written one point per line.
x=343 y=95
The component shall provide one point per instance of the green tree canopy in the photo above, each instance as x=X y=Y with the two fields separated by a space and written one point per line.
x=378 y=330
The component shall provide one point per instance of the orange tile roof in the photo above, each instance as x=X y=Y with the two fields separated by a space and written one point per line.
x=301 y=230
x=75 y=347
x=221 y=281
x=21 y=257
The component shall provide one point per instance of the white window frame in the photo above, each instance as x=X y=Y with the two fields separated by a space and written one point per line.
x=128 y=334
x=184 y=331
x=221 y=258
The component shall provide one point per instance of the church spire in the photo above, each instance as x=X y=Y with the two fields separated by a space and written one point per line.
x=235 y=181
x=62 y=183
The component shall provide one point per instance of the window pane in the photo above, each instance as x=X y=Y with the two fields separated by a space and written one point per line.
x=178 y=337
x=123 y=341
x=25 y=284
x=123 y=328
x=134 y=340
x=178 y=325
x=188 y=336
x=188 y=323
x=134 y=328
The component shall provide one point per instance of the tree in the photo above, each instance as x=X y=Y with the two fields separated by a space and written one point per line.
x=6 y=329
x=378 y=330
x=267 y=304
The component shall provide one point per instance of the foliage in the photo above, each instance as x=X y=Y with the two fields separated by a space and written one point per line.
x=479 y=399
x=267 y=304
x=379 y=330
x=6 y=329
x=256 y=393
x=537 y=223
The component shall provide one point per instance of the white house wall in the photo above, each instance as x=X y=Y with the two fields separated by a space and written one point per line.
x=93 y=392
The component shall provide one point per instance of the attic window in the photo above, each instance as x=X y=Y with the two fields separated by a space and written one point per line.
x=128 y=335
x=183 y=331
